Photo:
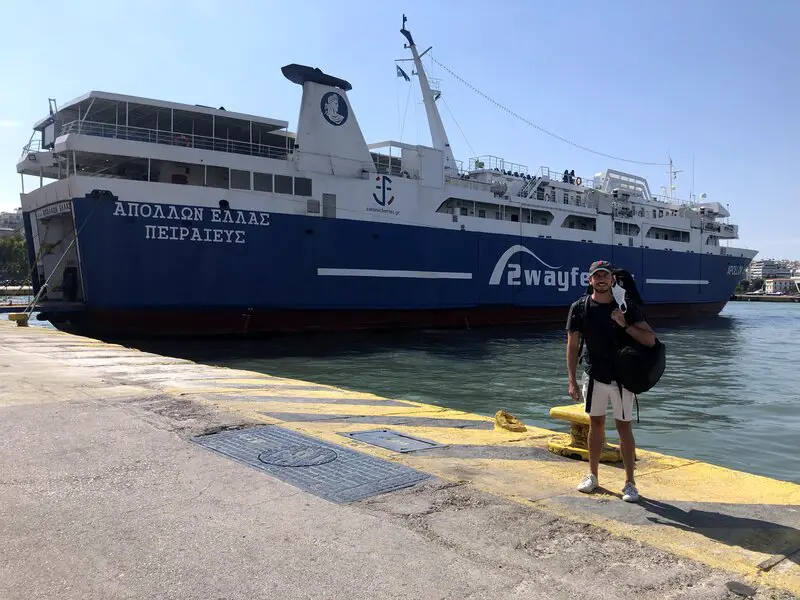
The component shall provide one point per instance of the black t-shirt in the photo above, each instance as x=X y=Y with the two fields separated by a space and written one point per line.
x=602 y=336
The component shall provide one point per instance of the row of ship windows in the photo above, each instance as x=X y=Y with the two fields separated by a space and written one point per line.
x=163 y=171
x=620 y=228
x=237 y=179
x=267 y=182
x=629 y=212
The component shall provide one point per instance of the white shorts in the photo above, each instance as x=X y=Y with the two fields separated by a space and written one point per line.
x=602 y=394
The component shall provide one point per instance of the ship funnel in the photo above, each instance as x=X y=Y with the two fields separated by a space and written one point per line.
x=329 y=139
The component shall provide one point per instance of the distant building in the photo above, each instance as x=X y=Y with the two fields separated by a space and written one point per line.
x=780 y=286
x=768 y=269
x=10 y=222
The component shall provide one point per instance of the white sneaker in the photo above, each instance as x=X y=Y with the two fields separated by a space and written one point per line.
x=630 y=493
x=588 y=484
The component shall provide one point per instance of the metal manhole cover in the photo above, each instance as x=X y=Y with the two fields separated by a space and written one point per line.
x=351 y=476
x=297 y=456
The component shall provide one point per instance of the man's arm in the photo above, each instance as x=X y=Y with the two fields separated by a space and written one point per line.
x=574 y=326
x=641 y=332
x=573 y=340
x=635 y=325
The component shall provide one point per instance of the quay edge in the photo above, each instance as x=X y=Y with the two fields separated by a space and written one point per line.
x=693 y=511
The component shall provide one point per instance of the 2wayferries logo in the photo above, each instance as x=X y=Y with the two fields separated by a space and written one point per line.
x=550 y=276
x=383 y=198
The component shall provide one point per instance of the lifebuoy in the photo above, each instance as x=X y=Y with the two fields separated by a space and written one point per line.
x=578 y=181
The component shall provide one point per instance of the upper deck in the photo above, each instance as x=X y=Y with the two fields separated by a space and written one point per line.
x=153 y=121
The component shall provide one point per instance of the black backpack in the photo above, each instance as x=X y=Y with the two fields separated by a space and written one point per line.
x=638 y=367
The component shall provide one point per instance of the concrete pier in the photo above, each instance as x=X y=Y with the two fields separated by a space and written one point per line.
x=120 y=479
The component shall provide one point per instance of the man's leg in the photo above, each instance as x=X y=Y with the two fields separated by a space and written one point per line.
x=623 y=413
x=596 y=403
x=628 y=447
x=597 y=437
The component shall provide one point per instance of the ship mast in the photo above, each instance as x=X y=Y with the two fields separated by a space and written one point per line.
x=438 y=134
x=673 y=175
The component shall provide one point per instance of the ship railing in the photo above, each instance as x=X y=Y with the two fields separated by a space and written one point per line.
x=497 y=164
x=32 y=146
x=470 y=184
x=169 y=138
x=554 y=175
x=384 y=169
x=583 y=202
x=671 y=200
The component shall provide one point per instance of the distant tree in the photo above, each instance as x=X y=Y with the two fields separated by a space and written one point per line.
x=743 y=286
x=13 y=259
x=756 y=284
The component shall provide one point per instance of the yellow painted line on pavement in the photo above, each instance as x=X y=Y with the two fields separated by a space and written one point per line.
x=452 y=436
x=266 y=380
x=284 y=390
x=278 y=405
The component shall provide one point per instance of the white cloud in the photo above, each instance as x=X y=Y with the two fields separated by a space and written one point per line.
x=8 y=124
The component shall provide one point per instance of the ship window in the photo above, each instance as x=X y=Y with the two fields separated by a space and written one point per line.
x=217 y=177
x=463 y=210
x=302 y=186
x=240 y=180
x=262 y=182
x=283 y=184
x=482 y=213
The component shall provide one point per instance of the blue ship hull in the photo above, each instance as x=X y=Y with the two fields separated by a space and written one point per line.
x=197 y=270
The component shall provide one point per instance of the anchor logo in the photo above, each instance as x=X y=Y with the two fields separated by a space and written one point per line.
x=383 y=187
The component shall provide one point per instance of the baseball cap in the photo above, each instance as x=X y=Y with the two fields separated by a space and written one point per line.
x=599 y=265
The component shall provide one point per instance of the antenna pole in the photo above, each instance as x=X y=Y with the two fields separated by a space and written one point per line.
x=669 y=188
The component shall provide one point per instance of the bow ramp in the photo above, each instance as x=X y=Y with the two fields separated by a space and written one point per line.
x=329 y=137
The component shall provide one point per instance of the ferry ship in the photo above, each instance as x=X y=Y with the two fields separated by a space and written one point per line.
x=154 y=217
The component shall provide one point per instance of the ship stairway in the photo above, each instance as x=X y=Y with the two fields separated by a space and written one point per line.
x=530 y=187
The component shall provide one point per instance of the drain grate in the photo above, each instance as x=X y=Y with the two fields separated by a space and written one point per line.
x=392 y=440
x=332 y=472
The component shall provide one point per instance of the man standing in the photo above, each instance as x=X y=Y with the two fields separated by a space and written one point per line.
x=604 y=326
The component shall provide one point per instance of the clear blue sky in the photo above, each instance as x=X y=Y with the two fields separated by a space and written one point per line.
x=714 y=78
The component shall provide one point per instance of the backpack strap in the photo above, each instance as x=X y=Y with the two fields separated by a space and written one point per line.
x=583 y=324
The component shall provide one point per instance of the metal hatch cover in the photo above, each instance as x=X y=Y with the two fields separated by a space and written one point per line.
x=392 y=440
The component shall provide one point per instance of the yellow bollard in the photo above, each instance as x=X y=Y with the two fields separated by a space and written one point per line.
x=576 y=445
